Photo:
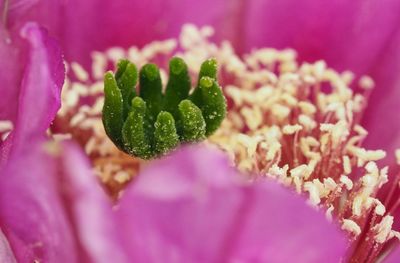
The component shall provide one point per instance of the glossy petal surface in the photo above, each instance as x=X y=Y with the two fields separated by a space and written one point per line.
x=193 y=207
x=39 y=90
x=56 y=212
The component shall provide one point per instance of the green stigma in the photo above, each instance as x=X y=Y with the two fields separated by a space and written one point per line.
x=148 y=123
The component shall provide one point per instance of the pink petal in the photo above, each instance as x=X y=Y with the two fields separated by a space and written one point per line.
x=40 y=88
x=193 y=207
x=10 y=76
x=394 y=256
x=348 y=34
x=52 y=208
x=91 y=209
x=123 y=23
x=381 y=118
x=33 y=218
x=41 y=84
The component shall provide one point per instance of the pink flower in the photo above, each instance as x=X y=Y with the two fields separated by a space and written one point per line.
x=358 y=36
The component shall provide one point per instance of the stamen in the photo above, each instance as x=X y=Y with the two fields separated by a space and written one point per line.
x=351 y=226
x=397 y=153
x=5 y=128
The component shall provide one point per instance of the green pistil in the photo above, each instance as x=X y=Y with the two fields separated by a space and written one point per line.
x=148 y=123
x=113 y=110
x=178 y=86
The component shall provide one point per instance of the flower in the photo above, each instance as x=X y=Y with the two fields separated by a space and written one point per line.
x=329 y=31
x=279 y=124
x=208 y=213
x=363 y=195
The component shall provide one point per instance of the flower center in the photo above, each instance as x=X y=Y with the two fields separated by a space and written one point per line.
x=151 y=123
x=297 y=123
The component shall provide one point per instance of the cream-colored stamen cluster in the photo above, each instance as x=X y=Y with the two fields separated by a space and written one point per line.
x=6 y=127
x=297 y=123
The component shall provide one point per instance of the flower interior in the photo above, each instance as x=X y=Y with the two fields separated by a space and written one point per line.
x=298 y=123
x=153 y=123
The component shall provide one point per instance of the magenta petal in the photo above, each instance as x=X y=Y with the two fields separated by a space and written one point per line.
x=381 y=118
x=394 y=257
x=40 y=91
x=123 y=23
x=32 y=214
x=348 y=34
x=52 y=208
x=10 y=76
x=6 y=254
x=91 y=209
x=193 y=207
x=40 y=95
